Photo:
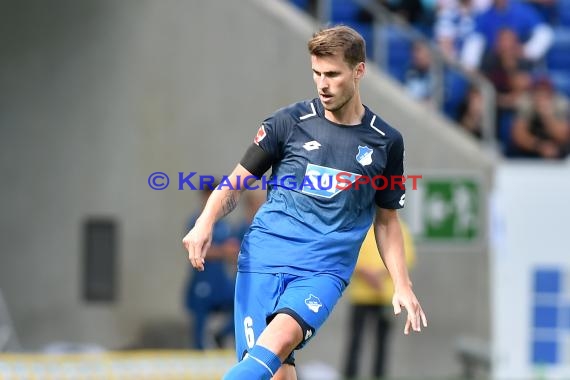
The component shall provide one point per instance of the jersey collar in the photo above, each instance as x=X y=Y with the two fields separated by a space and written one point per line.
x=321 y=112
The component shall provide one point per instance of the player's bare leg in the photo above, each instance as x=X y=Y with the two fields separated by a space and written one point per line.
x=273 y=346
x=281 y=336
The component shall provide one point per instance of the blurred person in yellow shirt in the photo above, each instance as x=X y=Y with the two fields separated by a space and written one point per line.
x=370 y=295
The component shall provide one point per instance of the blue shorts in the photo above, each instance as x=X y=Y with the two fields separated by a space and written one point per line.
x=260 y=296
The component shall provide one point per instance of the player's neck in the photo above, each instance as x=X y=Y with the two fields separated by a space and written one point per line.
x=350 y=114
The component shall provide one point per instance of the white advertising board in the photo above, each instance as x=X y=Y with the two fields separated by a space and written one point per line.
x=530 y=271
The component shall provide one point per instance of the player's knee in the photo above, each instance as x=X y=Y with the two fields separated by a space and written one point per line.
x=298 y=329
x=286 y=332
x=289 y=340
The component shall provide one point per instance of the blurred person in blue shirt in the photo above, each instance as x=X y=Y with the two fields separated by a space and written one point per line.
x=212 y=291
x=455 y=21
x=418 y=80
x=534 y=33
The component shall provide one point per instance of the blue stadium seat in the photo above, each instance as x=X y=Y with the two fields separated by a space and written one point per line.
x=455 y=92
x=344 y=11
x=564 y=12
x=366 y=31
x=558 y=57
x=561 y=80
x=398 y=51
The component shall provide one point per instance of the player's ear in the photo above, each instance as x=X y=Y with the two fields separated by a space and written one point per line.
x=359 y=70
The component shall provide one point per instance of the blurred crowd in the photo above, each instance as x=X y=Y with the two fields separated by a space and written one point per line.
x=507 y=41
x=521 y=46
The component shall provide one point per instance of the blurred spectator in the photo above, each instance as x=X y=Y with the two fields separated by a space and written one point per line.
x=533 y=32
x=212 y=291
x=370 y=294
x=478 y=6
x=510 y=74
x=455 y=20
x=471 y=112
x=542 y=126
x=418 y=79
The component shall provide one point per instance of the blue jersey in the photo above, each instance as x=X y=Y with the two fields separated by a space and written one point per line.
x=521 y=18
x=313 y=222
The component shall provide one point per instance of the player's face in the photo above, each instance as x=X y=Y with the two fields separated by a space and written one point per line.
x=336 y=81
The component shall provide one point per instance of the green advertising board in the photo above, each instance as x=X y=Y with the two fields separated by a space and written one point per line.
x=446 y=208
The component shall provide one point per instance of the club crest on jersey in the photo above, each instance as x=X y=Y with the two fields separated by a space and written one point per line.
x=260 y=135
x=364 y=156
x=313 y=303
x=322 y=181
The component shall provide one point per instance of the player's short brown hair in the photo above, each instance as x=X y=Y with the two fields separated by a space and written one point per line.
x=341 y=38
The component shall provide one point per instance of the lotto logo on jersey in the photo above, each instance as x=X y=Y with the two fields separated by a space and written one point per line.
x=322 y=181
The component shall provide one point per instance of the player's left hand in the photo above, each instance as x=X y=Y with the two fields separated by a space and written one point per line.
x=416 y=317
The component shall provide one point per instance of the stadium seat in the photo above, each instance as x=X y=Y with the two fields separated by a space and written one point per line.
x=455 y=92
x=564 y=12
x=344 y=11
x=398 y=51
x=561 y=80
x=366 y=31
x=558 y=57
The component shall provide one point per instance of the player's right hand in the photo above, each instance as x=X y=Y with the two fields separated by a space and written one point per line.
x=197 y=242
x=416 y=317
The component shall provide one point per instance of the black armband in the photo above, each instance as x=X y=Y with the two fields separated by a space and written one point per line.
x=256 y=160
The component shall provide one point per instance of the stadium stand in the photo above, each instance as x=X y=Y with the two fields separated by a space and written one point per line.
x=390 y=40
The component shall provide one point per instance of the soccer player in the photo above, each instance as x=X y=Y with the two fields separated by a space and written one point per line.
x=301 y=249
